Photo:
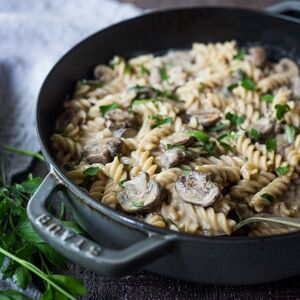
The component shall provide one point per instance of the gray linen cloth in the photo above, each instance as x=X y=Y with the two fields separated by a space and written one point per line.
x=34 y=34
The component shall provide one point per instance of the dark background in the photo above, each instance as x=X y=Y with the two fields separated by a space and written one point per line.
x=145 y=285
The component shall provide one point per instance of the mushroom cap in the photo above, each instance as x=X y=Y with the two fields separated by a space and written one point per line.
x=125 y=132
x=104 y=73
x=257 y=55
x=118 y=118
x=140 y=194
x=208 y=119
x=103 y=151
x=197 y=188
x=178 y=138
x=173 y=157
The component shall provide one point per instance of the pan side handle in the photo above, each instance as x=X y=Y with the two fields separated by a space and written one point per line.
x=288 y=8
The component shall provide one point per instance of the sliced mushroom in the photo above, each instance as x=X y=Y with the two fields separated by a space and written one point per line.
x=257 y=55
x=287 y=65
x=118 y=118
x=178 y=138
x=197 y=188
x=264 y=126
x=70 y=115
x=125 y=132
x=296 y=86
x=208 y=119
x=104 y=73
x=173 y=157
x=102 y=152
x=140 y=194
x=282 y=143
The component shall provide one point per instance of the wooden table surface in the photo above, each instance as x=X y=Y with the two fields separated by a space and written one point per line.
x=145 y=285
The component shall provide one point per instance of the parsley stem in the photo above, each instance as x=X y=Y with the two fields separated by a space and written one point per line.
x=37 y=272
x=23 y=152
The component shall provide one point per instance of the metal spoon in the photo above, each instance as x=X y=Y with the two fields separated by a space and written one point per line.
x=295 y=222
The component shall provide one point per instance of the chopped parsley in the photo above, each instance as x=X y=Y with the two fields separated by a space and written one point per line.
x=163 y=73
x=282 y=170
x=94 y=83
x=266 y=98
x=271 y=144
x=91 y=171
x=235 y=120
x=105 y=108
x=186 y=172
x=232 y=86
x=121 y=183
x=144 y=70
x=290 y=133
x=159 y=121
x=240 y=55
x=128 y=69
x=171 y=146
x=248 y=83
x=267 y=196
x=138 y=203
x=199 y=135
x=254 y=134
x=218 y=127
x=202 y=87
x=281 y=109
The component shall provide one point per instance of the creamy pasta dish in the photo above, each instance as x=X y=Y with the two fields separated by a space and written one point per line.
x=194 y=140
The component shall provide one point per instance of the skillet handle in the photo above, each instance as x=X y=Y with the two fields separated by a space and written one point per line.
x=289 y=8
x=82 y=250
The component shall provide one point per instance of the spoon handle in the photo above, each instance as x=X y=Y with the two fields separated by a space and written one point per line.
x=295 y=222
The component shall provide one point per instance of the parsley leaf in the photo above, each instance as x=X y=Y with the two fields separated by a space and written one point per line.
x=281 y=109
x=271 y=144
x=121 y=183
x=171 y=146
x=94 y=83
x=290 y=133
x=105 y=108
x=186 y=172
x=254 y=134
x=267 y=98
x=282 y=170
x=91 y=171
x=199 y=135
x=218 y=127
x=144 y=70
x=234 y=119
x=232 y=86
x=240 y=55
x=138 y=203
x=163 y=73
x=202 y=87
x=267 y=196
x=159 y=121
x=248 y=83
x=23 y=152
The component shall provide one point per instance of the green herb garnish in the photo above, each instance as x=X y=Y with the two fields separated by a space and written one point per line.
x=218 y=127
x=281 y=109
x=235 y=120
x=121 y=183
x=138 y=203
x=159 y=121
x=94 y=83
x=290 y=133
x=171 y=146
x=199 y=135
x=232 y=86
x=267 y=98
x=23 y=152
x=105 y=108
x=282 y=170
x=271 y=144
x=202 y=86
x=267 y=196
x=163 y=73
x=254 y=134
x=128 y=69
x=240 y=55
x=248 y=83
x=186 y=172
x=144 y=70
x=91 y=171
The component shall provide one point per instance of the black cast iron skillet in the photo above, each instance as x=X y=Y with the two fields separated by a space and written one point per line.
x=123 y=243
